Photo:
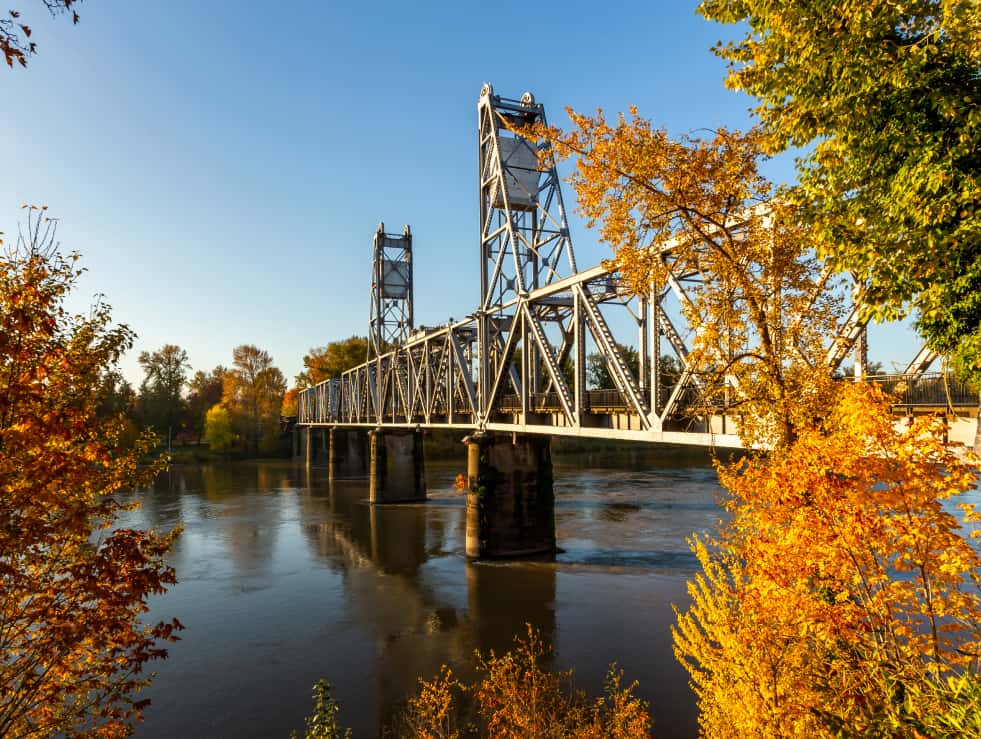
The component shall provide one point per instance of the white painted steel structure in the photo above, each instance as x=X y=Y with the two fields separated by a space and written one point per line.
x=518 y=363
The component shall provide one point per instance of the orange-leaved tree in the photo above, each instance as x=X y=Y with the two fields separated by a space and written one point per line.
x=252 y=393
x=843 y=584
x=696 y=213
x=842 y=596
x=73 y=585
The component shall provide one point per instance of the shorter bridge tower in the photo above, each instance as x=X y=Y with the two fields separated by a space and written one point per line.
x=391 y=319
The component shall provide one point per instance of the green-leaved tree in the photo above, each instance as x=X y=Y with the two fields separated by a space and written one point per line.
x=886 y=98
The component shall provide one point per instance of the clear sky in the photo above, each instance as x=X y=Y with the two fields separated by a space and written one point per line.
x=222 y=166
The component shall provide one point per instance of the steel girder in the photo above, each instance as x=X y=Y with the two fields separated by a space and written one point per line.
x=519 y=363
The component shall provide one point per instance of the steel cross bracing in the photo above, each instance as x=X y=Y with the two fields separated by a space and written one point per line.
x=391 y=319
x=519 y=363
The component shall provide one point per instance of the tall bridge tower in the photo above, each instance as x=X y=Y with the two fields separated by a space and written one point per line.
x=391 y=319
x=524 y=245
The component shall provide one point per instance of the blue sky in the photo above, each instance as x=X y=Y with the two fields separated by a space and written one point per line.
x=222 y=166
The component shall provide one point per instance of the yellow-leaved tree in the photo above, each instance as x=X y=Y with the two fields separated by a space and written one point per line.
x=844 y=592
x=842 y=597
x=697 y=213
x=73 y=585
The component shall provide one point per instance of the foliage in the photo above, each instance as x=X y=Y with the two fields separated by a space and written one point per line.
x=15 y=35
x=253 y=395
x=291 y=402
x=72 y=585
x=218 y=429
x=887 y=96
x=516 y=698
x=204 y=392
x=325 y=362
x=322 y=724
x=433 y=712
x=598 y=374
x=161 y=393
x=700 y=208
x=841 y=585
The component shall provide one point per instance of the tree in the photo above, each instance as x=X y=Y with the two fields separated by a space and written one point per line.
x=116 y=395
x=699 y=208
x=598 y=374
x=15 y=36
x=841 y=588
x=887 y=96
x=161 y=398
x=253 y=394
x=333 y=360
x=218 y=430
x=290 y=402
x=204 y=392
x=73 y=585
x=842 y=593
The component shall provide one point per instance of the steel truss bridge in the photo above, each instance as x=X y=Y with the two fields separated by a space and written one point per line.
x=518 y=363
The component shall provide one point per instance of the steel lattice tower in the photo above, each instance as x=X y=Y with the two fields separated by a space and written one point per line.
x=524 y=240
x=391 y=319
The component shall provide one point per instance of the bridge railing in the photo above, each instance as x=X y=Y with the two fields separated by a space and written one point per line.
x=927 y=390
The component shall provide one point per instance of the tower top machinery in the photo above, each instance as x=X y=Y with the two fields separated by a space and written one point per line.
x=391 y=319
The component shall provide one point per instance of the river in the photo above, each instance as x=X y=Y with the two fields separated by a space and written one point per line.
x=284 y=579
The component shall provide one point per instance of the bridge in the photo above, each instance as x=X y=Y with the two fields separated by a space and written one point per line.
x=513 y=373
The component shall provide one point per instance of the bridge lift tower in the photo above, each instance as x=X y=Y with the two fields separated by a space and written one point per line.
x=524 y=245
x=391 y=291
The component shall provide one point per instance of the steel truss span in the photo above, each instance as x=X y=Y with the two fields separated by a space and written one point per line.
x=518 y=364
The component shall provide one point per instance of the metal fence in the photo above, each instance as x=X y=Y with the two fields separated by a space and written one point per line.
x=928 y=390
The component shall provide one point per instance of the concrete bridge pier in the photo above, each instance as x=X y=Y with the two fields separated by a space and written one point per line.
x=346 y=453
x=510 y=502
x=398 y=468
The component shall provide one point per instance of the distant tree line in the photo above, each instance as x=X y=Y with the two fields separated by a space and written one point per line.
x=235 y=407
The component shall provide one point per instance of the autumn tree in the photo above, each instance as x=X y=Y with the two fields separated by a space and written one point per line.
x=253 y=395
x=842 y=595
x=758 y=300
x=843 y=585
x=218 y=430
x=332 y=360
x=15 y=35
x=291 y=402
x=73 y=585
x=161 y=399
x=204 y=391
x=886 y=98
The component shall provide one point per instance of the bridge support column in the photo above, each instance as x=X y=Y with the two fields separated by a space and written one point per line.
x=308 y=445
x=345 y=453
x=510 y=502
x=398 y=469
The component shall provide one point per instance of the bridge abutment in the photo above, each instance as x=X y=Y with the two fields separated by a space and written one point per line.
x=398 y=469
x=510 y=501
x=346 y=453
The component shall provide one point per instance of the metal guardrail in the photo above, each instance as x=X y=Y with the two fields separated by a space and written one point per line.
x=927 y=390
